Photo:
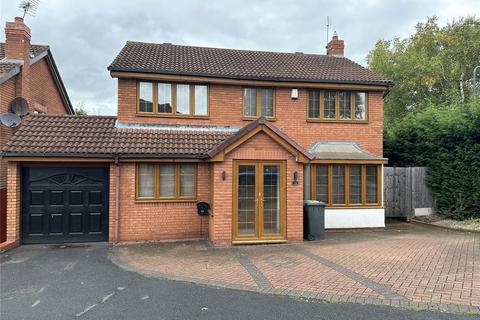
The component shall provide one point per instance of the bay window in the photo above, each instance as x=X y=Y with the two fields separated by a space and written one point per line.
x=166 y=181
x=172 y=99
x=345 y=185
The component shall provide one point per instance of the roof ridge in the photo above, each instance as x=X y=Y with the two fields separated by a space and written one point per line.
x=45 y=115
x=234 y=49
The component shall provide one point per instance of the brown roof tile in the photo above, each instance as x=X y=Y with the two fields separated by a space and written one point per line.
x=241 y=64
x=83 y=136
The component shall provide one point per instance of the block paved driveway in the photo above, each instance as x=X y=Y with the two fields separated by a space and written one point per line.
x=406 y=265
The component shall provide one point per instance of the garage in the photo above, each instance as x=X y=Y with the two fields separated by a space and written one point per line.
x=64 y=204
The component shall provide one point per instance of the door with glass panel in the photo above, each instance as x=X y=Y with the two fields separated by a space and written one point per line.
x=259 y=201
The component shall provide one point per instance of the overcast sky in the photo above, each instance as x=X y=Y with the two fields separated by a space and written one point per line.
x=85 y=36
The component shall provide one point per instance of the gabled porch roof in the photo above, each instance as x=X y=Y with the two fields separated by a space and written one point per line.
x=248 y=131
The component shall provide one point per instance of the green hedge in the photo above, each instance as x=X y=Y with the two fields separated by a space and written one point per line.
x=447 y=141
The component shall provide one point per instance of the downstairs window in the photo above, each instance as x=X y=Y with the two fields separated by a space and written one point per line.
x=166 y=181
x=341 y=185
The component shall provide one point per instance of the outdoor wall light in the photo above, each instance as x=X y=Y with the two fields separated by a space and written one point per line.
x=295 y=178
x=224 y=175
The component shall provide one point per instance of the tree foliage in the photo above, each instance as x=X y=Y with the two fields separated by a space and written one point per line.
x=80 y=109
x=447 y=141
x=432 y=67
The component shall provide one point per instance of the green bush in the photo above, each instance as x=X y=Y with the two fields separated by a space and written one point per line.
x=447 y=141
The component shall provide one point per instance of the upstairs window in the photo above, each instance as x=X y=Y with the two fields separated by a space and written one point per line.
x=171 y=99
x=258 y=102
x=331 y=105
x=145 y=97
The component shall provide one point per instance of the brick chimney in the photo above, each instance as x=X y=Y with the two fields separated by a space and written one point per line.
x=335 y=47
x=17 y=49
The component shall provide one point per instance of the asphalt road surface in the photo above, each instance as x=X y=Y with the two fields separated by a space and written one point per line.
x=80 y=282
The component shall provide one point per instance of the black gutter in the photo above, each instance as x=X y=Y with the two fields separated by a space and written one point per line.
x=215 y=75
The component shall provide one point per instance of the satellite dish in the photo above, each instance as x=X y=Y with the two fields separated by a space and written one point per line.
x=10 y=120
x=18 y=106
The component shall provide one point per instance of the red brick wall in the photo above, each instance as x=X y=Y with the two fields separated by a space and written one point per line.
x=13 y=201
x=226 y=109
x=259 y=147
x=157 y=220
x=43 y=89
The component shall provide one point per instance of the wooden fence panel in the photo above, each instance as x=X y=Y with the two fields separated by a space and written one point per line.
x=404 y=190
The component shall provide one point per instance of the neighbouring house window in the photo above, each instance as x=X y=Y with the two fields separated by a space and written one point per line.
x=145 y=103
x=336 y=105
x=172 y=99
x=258 y=102
x=166 y=181
x=344 y=185
x=164 y=98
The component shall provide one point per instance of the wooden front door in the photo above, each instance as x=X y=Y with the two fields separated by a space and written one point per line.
x=259 y=201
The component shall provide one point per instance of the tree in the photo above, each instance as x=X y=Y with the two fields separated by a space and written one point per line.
x=80 y=109
x=432 y=67
x=447 y=141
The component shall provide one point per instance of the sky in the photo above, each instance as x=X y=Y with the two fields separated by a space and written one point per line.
x=85 y=36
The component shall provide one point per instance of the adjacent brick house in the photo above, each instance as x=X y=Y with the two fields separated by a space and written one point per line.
x=28 y=71
x=250 y=133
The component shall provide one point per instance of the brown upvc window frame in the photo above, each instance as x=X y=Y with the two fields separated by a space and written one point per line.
x=173 y=93
x=156 y=183
x=321 y=106
x=259 y=103
x=347 y=204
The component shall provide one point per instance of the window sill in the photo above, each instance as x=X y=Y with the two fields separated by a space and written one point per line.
x=255 y=118
x=337 y=121
x=355 y=207
x=165 y=200
x=167 y=115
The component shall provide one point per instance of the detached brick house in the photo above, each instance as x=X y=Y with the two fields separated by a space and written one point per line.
x=251 y=133
x=28 y=71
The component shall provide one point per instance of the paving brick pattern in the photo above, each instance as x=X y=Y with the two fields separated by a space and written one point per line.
x=407 y=266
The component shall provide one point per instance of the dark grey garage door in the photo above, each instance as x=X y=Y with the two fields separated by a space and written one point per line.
x=64 y=204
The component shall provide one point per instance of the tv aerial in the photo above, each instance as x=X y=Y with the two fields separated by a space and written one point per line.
x=28 y=7
x=17 y=108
